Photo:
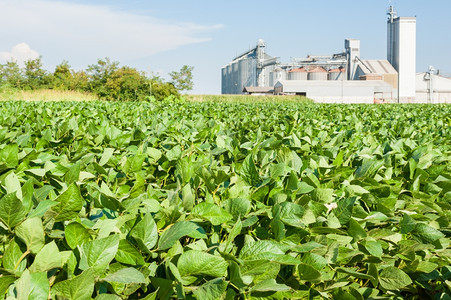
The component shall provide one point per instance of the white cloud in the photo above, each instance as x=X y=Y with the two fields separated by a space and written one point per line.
x=87 y=32
x=19 y=53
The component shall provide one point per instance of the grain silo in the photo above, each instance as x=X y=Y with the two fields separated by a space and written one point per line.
x=297 y=74
x=337 y=74
x=250 y=69
x=276 y=75
x=317 y=73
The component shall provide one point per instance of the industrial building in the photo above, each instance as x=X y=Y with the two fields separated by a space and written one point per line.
x=250 y=69
x=343 y=77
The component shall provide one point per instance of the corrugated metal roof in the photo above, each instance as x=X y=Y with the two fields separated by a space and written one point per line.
x=377 y=66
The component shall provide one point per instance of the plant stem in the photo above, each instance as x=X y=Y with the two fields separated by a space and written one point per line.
x=21 y=258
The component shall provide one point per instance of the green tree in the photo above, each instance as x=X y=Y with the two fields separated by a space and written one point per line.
x=183 y=80
x=35 y=76
x=11 y=74
x=162 y=90
x=62 y=76
x=127 y=84
x=79 y=81
x=99 y=74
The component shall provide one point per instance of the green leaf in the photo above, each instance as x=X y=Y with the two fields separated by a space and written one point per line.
x=427 y=233
x=269 y=285
x=31 y=232
x=323 y=195
x=345 y=295
x=373 y=247
x=254 y=250
x=42 y=208
x=76 y=234
x=37 y=172
x=407 y=224
x=289 y=213
x=12 y=212
x=109 y=297
x=80 y=287
x=187 y=197
x=372 y=271
x=308 y=273
x=72 y=174
x=236 y=230
x=258 y=270
x=48 y=258
x=13 y=258
x=126 y=276
x=392 y=278
x=175 y=232
x=355 y=230
x=250 y=173
x=107 y=154
x=33 y=286
x=145 y=233
x=69 y=204
x=344 y=209
x=426 y=267
x=304 y=188
x=5 y=282
x=368 y=168
x=9 y=155
x=211 y=290
x=193 y=263
x=211 y=212
x=314 y=260
x=12 y=185
x=237 y=207
x=127 y=254
x=99 y=253
x=164 y=287
x=355 y=274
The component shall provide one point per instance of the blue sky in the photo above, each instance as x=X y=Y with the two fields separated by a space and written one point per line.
x=161 y=36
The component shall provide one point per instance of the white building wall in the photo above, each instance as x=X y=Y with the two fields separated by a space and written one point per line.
x=441 y=89
x=332 y=91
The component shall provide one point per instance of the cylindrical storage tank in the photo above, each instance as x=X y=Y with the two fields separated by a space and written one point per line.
x=297 y=74
x=242 y=67
x=317 y=73
x=223 y=80
x=337 y=74
x=229 y=79
x=234 y=81
x=277 y=75
x=272 y=78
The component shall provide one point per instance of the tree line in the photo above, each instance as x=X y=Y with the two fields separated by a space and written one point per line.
x=106 y=79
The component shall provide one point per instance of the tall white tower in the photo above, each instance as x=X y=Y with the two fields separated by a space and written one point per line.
x=352 y=47
x=401 y=53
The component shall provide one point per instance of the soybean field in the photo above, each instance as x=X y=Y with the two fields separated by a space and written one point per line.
x=212 y=200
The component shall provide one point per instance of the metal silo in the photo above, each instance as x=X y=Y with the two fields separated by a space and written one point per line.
x=228 y=84
x=297 y=74
x=235 y=78
x=223 y=79
x=241 y=74
x=337 y=74
x=276 y=75
x=317 y=73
